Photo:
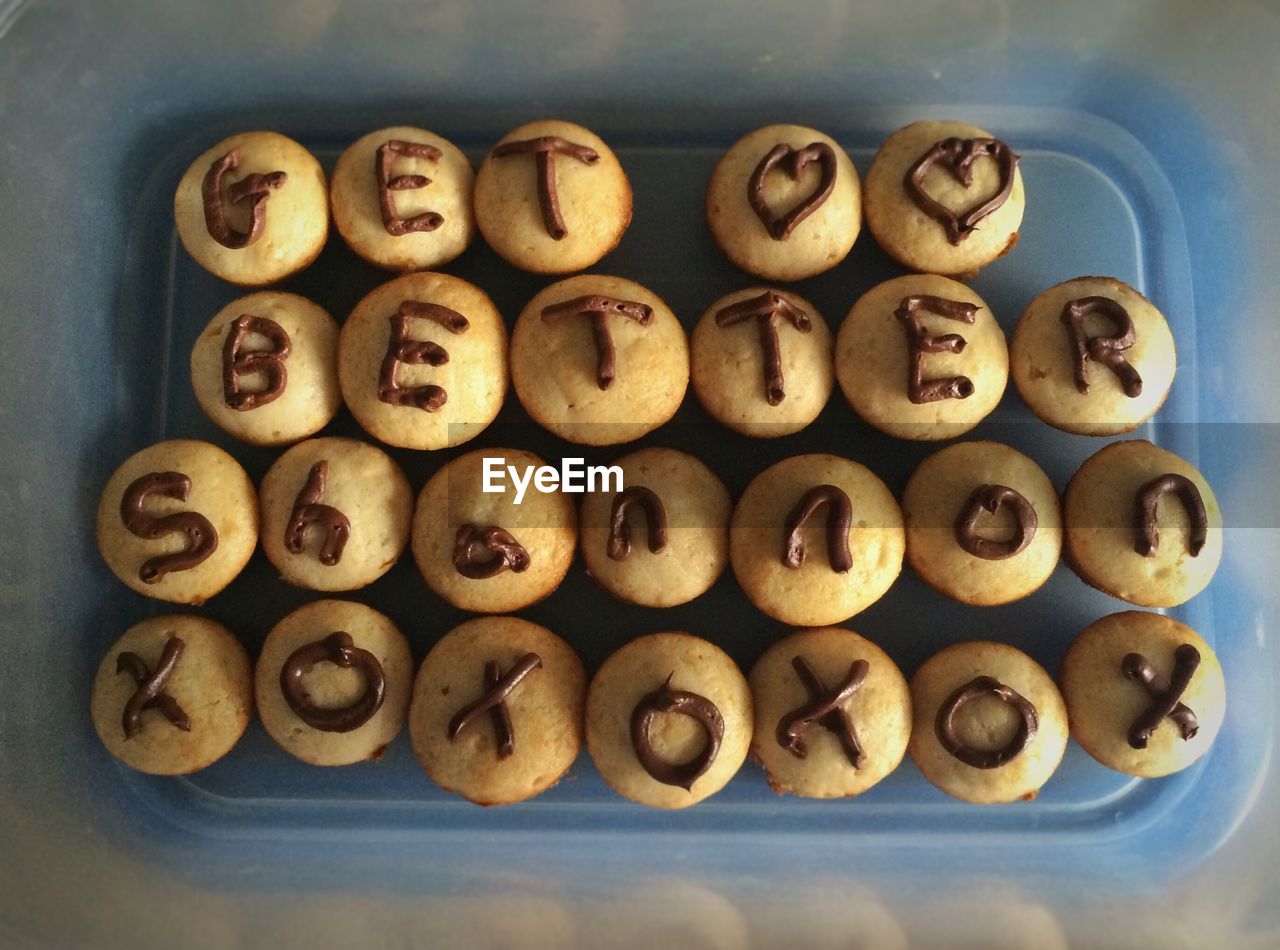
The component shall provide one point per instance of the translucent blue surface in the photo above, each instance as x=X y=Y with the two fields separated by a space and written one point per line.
x=104 y=306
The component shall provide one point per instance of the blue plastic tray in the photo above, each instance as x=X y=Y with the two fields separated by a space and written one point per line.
x=104 y=306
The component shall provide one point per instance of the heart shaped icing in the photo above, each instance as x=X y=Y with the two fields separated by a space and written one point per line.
x=957 y=156
x=793 y=161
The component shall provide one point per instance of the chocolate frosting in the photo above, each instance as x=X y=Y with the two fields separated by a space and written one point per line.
x=839 y=520
x=270 y=363
x=598 y=307
x=1165 y=695
x=202 y=537
x=308 y=512
x=765 y=309
x=957 y=156
x=150 y=693
x=793 y=161
x=498 y=687
x=825 y=708
x=619 y=544
x=698 y=708
x=920 y=343
x=339 y=649
x=544 y=150
x=944 y=725
x=401 y=348
x=1148 y=528
x=508 y=552
x=990 y=499
x=1107 y=350
x=383 y=159
x=254 y=188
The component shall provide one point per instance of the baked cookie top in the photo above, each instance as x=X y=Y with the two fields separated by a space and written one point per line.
x=422 y=361
x=832 y=713
x=922 y=357
x=761 y=362
x=664 y=538
x=1142 y=525
x=253 y=209
x=551 y=197
x=1144 y=692
x=599 y=360
x=1093 y=356
x=815 y=539
x=944 y=197
x=402 y=199
x=990 y=725
x=784 y=203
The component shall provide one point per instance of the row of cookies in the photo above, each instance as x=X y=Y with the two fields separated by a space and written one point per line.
x=499 y=707
x=422 y=361
x=813 y=540
x=784 y=202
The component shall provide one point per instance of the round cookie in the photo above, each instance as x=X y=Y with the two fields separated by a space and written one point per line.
x=832 y=713
x=521 y=671
x=1144 y=693
x=789 y=570
x=402 y=199
x=1093 y=356
x=333 y=683
x=761 y=362
x=335 y=514
x=668 y=697
x=1142 y=525
x=552 y=198
x=178 y=521
x=784 y=203
x=669 y=500
x=983 y=523
x=197 y=700
x=513 y=554
x=990 y=753
x=253 y=209
x=422 y=361
x=599 y=360
x=265 y=369
x=924 y=213
x=896 y=382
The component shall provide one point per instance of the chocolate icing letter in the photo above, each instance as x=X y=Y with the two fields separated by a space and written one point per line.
x=339 y=649
x=957 y=156
x=793 y=161
x=825 y=708
x=619 y=545
x=236 y=362
x=1107 y=350
x=920 y=343
x=497 y=688
x=395 y=225
x=991 y=498
x=202 y=537
x=401 y=348
x=839 y=520
x=545 y=149
x=150 y=693
x=308 y=511
x=945 y=728
x=254 y=188
x=1148 y=528
x=698 y=708
x=508 y=553
x=598 y=309
x=765 y=309
x=1165 y=695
